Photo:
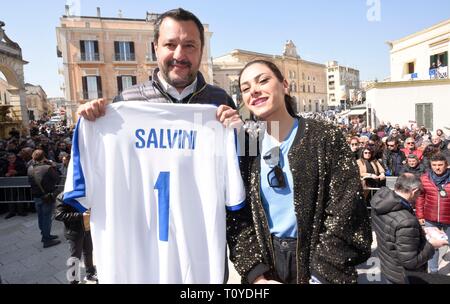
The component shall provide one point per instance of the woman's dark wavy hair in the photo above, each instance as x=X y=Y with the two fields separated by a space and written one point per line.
x=276 y=71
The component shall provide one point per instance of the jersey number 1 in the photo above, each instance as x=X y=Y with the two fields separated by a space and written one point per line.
x=163 y=187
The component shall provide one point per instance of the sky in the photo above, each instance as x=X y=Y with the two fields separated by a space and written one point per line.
x=353 y=32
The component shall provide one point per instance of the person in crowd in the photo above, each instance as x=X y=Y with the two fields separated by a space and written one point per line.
x=14 y=167
x=413 y=166
x=370 y=169
x=441 y=134
x=428 y=152
x=371 y=172
x=354 y=146
x=393 y=157
x=410 y=148
x=377 y=145
x=304 y=220
x=43 y=178
x=437 y=142
x=401 y=241
x=433 y=205
x=78 y=235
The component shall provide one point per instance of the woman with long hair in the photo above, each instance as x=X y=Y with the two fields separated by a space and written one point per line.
x=304 y=220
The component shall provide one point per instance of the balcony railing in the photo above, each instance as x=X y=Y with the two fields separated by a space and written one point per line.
x=90 y=57
x=89 y=95
x=124 y=57
x=439 y=73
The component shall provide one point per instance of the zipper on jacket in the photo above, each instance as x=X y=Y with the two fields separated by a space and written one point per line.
x=196 y=93
x=439 y=207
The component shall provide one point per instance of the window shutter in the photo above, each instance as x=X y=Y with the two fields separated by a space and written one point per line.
x=82 y=50
x=85 y=87
x=116 y=50
x=99 y=87
x=119 y=84
x=96 y=47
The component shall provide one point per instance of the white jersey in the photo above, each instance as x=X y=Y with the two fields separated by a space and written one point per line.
x=158 y=179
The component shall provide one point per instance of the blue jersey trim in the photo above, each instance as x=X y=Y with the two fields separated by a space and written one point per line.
x=79 y=184
x=236 y=207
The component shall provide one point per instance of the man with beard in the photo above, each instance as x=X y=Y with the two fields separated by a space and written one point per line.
x=179 y=41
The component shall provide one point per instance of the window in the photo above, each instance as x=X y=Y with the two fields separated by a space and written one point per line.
x=89 y=50
x=303 y=76
x=309 y=88
x=92 y=87
x=409 y=68
x=439 y=60
x=293 y=87
x=424 y=115
x=304 y=88
x=317 y=107
x=124 y=51
x=152 y=56
x=124 y=82
x=314 y=89
x=310 y=106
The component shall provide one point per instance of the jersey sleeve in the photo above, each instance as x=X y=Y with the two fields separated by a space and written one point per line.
x=235 y=192
x=75 y=193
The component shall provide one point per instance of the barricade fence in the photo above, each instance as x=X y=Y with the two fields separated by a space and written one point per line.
x=18 y=190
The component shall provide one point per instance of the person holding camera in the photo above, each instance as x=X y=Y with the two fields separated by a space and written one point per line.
x=43 y=178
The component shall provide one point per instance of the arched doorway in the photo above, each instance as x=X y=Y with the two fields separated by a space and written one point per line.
x=13 y=111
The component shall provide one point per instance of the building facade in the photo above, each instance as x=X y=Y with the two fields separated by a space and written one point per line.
x=103 y=56
x=37 y=103
x=4 y=93
x=419 y=87
x=307 y=80
x=408 y=103
x=422 y=55
x=343 y=88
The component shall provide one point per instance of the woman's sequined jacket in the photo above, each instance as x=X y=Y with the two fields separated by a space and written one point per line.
x=334 y=233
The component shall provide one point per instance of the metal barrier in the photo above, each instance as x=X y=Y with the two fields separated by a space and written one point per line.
x=390 y=183
x=18 y=189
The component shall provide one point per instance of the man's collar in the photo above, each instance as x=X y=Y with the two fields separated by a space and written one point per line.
x=172 y=91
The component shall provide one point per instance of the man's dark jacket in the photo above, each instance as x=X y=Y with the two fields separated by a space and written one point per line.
x=401 y=240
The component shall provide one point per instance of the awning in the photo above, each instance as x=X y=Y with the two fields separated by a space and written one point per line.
x=356 y=112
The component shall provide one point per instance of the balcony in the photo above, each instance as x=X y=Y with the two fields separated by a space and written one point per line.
x=90 y=58
x=439 y=73
x=125 y=57
x=89 y=95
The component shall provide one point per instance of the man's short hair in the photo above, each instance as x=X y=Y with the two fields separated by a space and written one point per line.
x=413 y=156
x=179 y=14
x=392 y=139
x=407 y=182
x=38 y=155
x=438 y=157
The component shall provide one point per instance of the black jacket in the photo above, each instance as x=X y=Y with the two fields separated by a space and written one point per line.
x=72 y=219
x=153 y=91
x=400 y=238
x=332 y=220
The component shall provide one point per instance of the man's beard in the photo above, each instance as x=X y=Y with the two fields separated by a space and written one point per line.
x=179 y=83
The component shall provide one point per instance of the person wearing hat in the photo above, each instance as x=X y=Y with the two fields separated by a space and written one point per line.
x=413 y=166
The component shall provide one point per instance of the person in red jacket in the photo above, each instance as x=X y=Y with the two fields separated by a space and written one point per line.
x=433 y=205
x=410 y=148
